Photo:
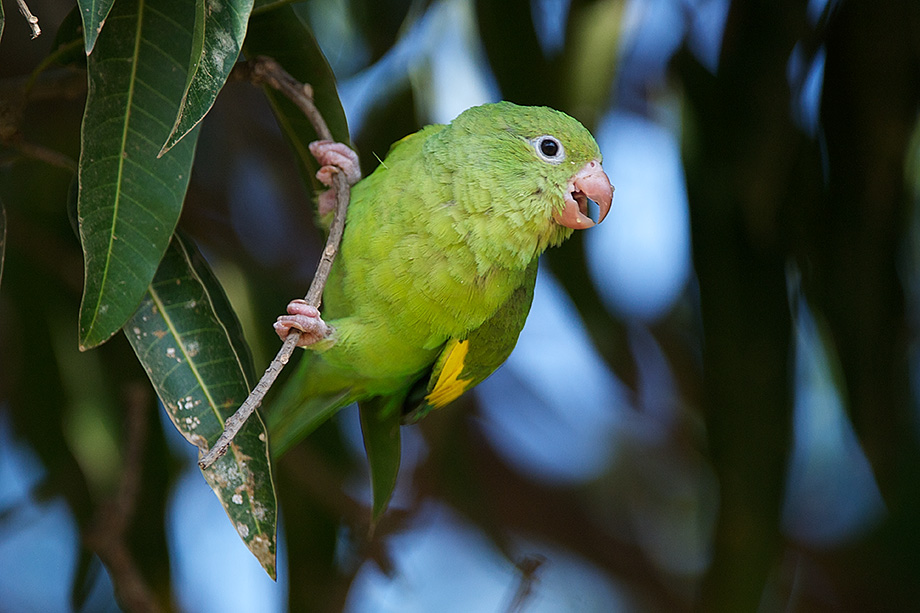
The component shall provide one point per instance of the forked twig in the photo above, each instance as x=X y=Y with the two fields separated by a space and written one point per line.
x=268 y=71
x=529 y=568
x=31 y=19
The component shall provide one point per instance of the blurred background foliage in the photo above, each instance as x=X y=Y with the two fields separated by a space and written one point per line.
x=713 y=406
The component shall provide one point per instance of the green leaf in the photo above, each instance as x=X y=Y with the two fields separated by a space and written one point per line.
x=281 y=33
x=380 y=426
x=191 y=345
x=2 y=20
x=129 y=200
x=68 y=47
x=593 y=55
x=267 y=5
x=220 y=26
x=94 y=13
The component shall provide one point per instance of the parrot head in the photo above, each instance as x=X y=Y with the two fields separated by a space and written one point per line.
x=550 y=162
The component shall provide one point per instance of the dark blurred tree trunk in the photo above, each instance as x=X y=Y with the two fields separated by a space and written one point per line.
x=742 y=163
x=869 y=110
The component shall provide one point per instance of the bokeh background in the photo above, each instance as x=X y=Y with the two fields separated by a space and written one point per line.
x=713 y=405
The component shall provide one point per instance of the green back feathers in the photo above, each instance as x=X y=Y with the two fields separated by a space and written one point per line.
x=436 y=269
x=445 y=229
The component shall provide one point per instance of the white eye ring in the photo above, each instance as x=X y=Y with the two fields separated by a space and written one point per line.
x=549 y=148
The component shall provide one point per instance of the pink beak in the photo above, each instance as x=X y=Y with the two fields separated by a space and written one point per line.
x=589 y=182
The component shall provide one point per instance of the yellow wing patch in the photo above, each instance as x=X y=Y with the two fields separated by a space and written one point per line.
x=450 y=385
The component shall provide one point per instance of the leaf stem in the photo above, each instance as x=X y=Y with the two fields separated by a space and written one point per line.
x=266 y=70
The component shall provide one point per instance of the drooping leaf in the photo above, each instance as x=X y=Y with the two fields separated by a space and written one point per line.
x=129 y=199
x=380 y=427
x=281 y=33
x=68 y=47
x=192 y=347
x=513 y=49
x=94 y=14
x=267 y=5
x=382 y=24
x=593 y=52
x=220 y=26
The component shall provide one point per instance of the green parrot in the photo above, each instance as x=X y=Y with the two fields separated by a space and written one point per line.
x=436 y=270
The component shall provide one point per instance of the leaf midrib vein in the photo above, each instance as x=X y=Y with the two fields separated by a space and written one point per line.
x=121 y=165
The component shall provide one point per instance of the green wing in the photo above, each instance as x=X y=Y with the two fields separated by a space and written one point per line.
x=311 y=396
x=466 y=362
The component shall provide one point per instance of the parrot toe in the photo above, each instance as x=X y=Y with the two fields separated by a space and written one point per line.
x=304 y=318
x=325 y=204
x=334 y=157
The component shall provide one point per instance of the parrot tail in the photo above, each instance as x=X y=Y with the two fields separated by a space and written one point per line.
x=311 y=396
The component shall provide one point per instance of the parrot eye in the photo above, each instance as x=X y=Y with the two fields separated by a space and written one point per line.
x=549 y=149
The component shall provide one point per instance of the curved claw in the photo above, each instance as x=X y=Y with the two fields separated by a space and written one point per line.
x=589 y=182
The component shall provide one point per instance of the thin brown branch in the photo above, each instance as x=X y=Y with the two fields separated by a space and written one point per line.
x=43 y=154
x=66 y=83
x=529 y=568
x=267 y=71
x=16 y=93
x=106 y=536
x=31 y=19
x=263 y=70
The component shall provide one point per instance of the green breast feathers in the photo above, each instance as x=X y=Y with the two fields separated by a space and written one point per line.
x=435 y=274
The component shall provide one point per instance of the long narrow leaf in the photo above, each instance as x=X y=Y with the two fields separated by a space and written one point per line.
x=129 y=200
x=94 y=13
x=220 y=26
x=191 y=346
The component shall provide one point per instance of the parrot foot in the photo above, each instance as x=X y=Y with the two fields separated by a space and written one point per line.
x=304 y=317
x=334 y=157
